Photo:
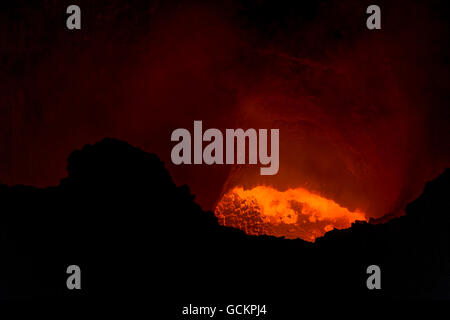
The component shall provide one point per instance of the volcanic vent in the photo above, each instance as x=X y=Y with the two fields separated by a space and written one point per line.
x=293 y=213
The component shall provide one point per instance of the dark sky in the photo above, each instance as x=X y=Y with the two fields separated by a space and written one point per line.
x=363 y=115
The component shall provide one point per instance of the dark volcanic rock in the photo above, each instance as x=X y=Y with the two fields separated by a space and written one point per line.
x=136 y=235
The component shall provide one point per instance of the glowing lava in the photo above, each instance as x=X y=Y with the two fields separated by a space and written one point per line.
x=294 y=213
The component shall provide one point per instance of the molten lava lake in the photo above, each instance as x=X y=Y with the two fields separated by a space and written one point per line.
x=293 y=213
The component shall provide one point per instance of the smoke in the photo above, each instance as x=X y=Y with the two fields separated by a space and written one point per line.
x=362 y=114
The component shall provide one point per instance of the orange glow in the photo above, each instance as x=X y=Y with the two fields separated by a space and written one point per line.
x=294 y=213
